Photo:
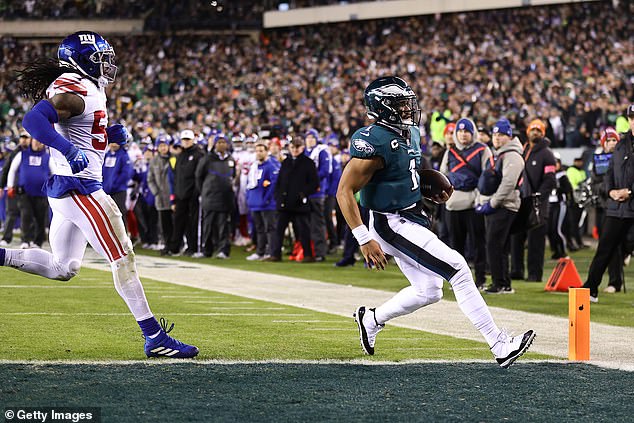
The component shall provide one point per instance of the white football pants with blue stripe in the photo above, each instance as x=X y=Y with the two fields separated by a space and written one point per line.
x=426 y=261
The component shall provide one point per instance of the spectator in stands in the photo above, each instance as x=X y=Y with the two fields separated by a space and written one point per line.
x=261 y=201
x=463 y=166
x=30 y=169
x=215 y=180
x=159 y=175
x=297 y=180
x=538 y=180
x=185 y=197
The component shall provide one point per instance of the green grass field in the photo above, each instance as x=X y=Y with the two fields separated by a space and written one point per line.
x=53 y=330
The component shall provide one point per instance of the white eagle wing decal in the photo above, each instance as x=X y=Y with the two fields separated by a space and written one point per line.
x=363 y=146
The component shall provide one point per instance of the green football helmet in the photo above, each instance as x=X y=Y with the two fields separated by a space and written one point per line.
x=391 y=101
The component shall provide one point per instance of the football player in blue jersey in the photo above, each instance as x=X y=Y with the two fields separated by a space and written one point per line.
x=384 y=164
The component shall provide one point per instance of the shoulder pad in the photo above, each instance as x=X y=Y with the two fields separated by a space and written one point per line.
x=365 y=143
x=69 y=83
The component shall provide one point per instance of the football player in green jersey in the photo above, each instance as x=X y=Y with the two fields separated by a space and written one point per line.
x=385 y=159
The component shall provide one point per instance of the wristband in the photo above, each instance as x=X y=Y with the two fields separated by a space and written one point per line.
x=362 y=234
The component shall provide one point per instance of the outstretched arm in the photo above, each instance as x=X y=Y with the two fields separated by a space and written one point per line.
x=355 y=176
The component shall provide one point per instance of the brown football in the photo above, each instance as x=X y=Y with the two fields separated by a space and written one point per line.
x=433 y=183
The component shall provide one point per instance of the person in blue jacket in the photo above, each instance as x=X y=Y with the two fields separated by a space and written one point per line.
x=29 y=171
x=261 y=201
x=320 y=155
x=117 y=172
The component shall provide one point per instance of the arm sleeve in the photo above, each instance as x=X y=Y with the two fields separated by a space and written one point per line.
x=549 y=180
x=200 y=174
x=324 y=165
x=38 y=122
x=170 y=183
x=13 y=170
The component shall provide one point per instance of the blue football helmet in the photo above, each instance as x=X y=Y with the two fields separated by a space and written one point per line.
x=90 y=54
x=390 y=100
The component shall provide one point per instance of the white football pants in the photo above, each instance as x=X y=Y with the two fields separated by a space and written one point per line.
x=426 y=261
x=77 y=219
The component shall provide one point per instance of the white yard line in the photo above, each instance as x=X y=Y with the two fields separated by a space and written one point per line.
x=609 y=344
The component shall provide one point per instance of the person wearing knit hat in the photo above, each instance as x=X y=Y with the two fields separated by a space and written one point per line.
x=463 y=164
x=158 y=181
x=501 y=208
x=618 y=183
x=537 y=182
x=601 y=163
x=215 y=175
x=536 y=124
x=448 y=132
x=609 y=135
x=503 y=126
x=320 y=155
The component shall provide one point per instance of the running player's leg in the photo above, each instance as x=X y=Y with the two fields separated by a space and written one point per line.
x=429 y=258
x=103 y=227
x=67 y=246
x=425 y=261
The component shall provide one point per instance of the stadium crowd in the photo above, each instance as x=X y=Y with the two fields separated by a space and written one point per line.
x=561 y=64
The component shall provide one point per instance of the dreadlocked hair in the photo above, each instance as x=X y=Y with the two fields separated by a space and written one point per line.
x=34 y=79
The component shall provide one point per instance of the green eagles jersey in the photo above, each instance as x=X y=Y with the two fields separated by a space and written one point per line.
x=396 y=186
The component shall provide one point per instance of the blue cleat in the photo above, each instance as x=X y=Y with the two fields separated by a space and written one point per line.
x=166 y=346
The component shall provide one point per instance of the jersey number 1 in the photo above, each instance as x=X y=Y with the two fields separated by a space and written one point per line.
x=412 y=169
x=99 y=129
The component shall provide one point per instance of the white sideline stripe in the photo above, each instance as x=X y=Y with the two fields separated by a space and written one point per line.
x=218 y=302
x=357 y=362
x=201 y=295
x=129 y=314
x=311 y=321
x=241 y=308
x=331 y=329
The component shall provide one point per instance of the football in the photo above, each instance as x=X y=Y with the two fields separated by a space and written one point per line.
x=433 y=183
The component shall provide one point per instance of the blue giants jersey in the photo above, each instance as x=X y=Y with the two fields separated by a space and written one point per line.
x=396 y=186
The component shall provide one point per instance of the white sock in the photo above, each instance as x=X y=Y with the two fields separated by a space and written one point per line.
x=473 y=306
x=129 y=287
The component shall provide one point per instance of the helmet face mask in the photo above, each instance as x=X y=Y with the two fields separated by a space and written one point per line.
x=391 y=101
x=90 y=54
